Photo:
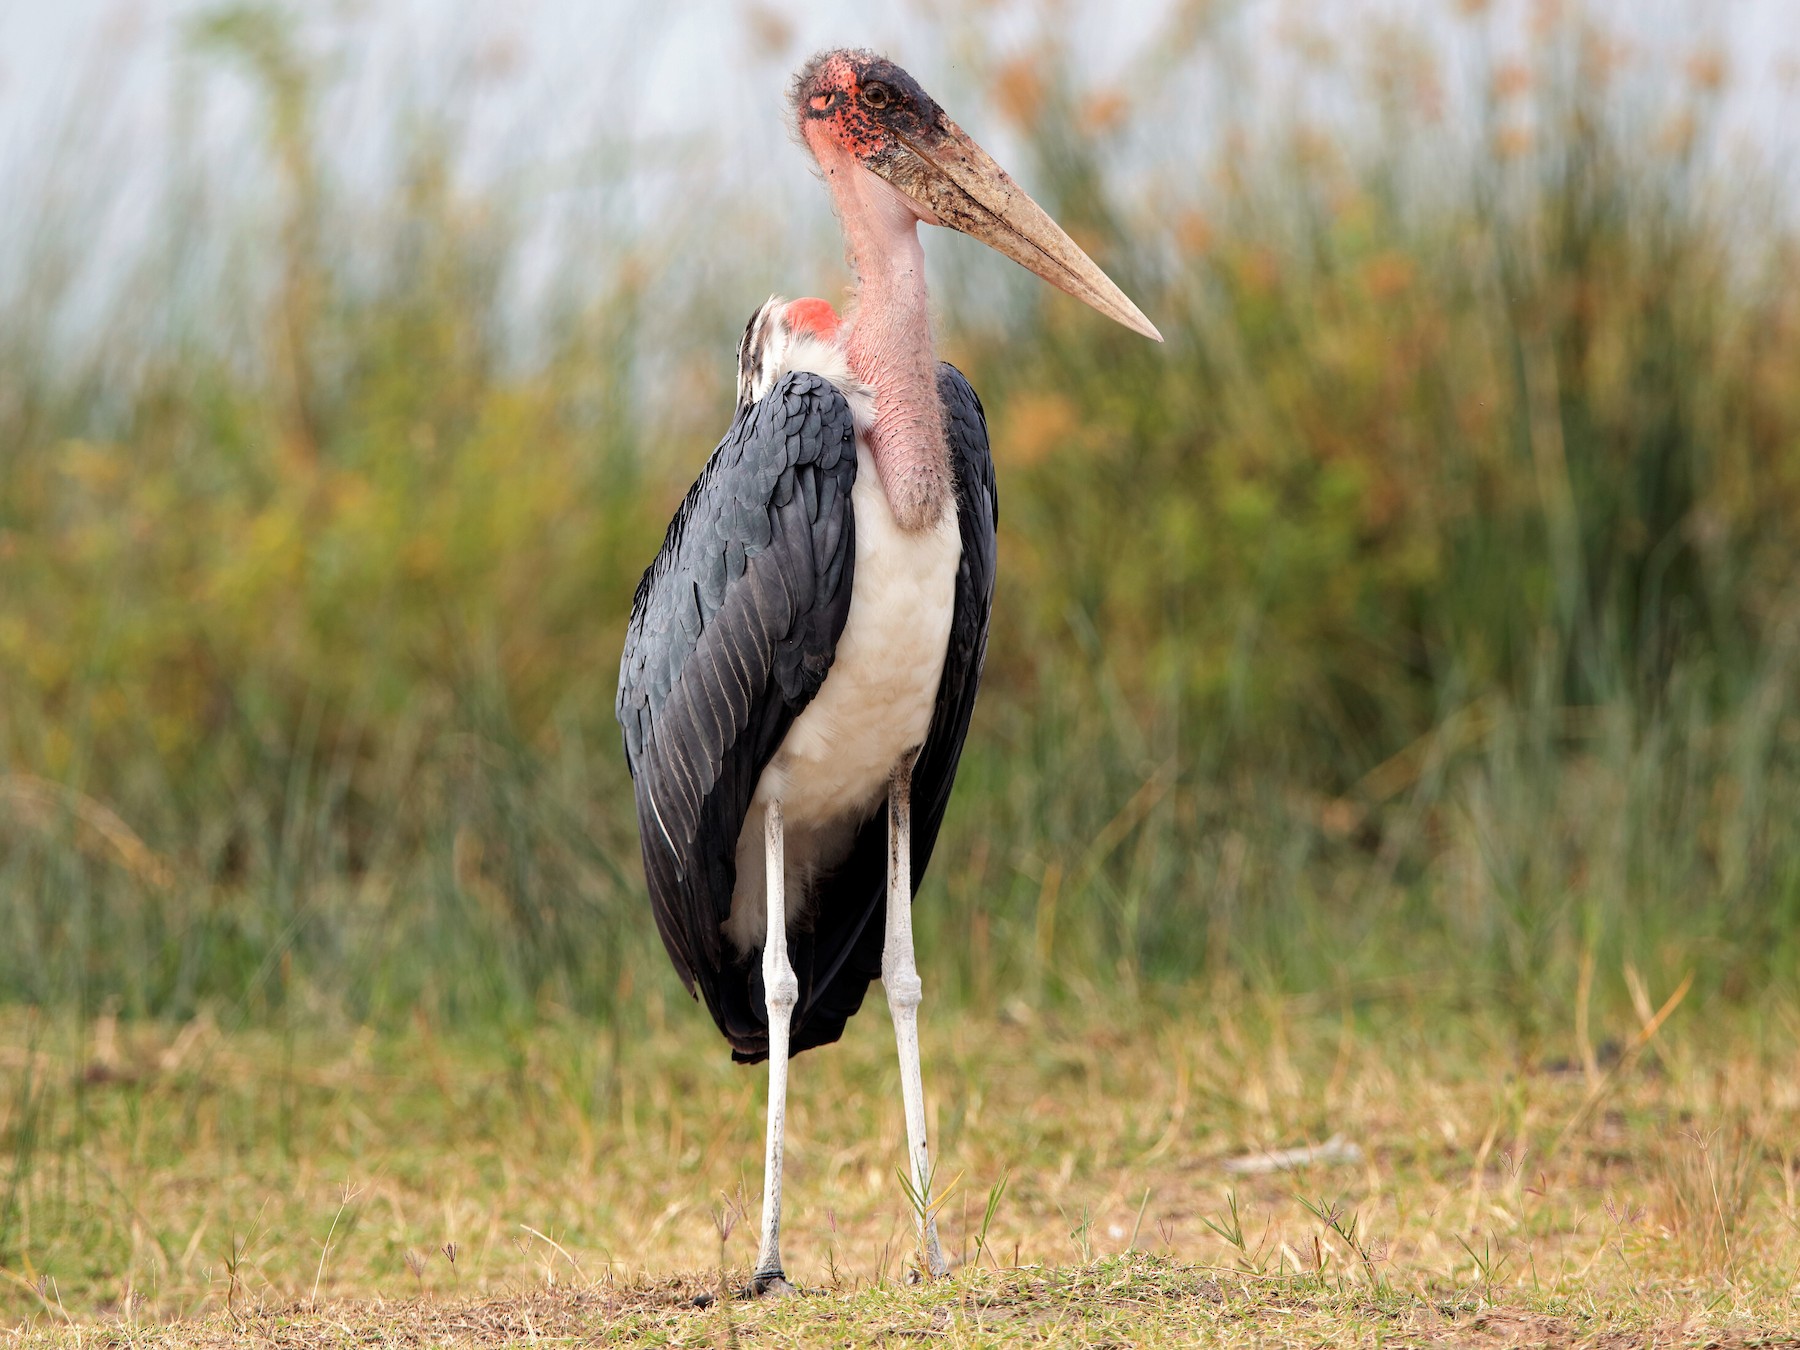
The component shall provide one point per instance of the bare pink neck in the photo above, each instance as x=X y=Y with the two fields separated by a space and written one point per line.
x=890 y=347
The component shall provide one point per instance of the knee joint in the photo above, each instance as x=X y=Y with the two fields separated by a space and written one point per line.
x=904 y=989
x=782 y=987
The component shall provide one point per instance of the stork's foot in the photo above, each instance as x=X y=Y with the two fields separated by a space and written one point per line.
x=914 y=1275
x=771 y=1284
x=761 y=1286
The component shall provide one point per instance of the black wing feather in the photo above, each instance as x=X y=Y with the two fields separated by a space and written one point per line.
x=732 y=630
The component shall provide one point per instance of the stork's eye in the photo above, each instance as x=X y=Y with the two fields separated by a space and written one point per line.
x=821 y=101
x=877 y=96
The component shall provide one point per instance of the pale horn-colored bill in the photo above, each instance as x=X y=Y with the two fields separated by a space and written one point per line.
x=966 y=190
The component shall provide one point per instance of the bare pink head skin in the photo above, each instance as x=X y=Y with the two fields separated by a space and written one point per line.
x=893 y=161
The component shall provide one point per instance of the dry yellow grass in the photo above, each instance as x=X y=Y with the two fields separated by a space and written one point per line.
x=314 y=1189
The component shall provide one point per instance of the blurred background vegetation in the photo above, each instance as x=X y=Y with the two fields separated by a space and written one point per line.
x=1420 y=620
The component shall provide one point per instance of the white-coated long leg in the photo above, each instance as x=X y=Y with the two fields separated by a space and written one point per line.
x=900 y=977
x=783 y=991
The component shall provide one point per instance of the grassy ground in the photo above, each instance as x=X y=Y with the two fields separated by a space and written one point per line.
x=1101 y=1182
x=1135 y=1299
x=1454 y=626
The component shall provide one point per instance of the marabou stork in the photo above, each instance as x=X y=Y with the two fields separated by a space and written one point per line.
x=805 y=648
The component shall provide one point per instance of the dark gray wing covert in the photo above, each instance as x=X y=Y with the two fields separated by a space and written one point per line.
x=732 y=631
x=842 y=954
x=978 y=513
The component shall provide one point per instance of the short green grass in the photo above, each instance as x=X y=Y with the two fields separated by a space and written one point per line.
x=176 y=1185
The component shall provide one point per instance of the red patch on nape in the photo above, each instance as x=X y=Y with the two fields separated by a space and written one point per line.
x=812 y=316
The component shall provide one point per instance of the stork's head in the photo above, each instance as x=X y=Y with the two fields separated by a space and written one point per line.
x=860 y=113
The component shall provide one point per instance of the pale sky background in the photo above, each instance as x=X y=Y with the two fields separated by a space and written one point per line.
x=559 y=101
x=644 y=67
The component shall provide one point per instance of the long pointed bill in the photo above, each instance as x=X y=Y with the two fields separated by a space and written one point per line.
x=965 y=189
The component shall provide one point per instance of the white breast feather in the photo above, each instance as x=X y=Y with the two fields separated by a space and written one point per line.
x=831 y=769
x=828 y=359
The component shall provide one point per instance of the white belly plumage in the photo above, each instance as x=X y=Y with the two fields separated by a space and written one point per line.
x=831 y=769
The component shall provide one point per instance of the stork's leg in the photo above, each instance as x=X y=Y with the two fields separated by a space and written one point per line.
x=900 y=977
x=783 y=991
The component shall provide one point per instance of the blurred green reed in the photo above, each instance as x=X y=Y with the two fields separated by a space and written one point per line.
x=1420 y=617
